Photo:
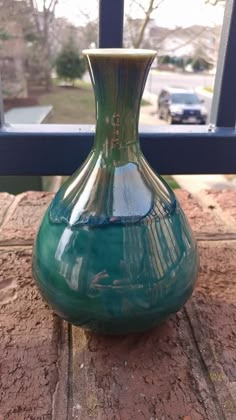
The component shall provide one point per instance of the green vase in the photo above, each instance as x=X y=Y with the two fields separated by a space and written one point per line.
x=115 y=253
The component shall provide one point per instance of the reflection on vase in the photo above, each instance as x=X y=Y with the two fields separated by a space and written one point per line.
x=121 y=273
x=114 y=252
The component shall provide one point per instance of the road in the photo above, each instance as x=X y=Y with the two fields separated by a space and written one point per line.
x=157 y=80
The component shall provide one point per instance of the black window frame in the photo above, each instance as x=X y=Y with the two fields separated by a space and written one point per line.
x=60 y=149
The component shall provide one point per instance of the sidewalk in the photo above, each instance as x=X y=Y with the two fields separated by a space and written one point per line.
x=148 y=113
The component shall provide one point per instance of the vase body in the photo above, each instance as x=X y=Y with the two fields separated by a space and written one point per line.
x=115 y=253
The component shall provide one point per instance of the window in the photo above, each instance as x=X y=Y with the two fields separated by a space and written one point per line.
x=200 y=149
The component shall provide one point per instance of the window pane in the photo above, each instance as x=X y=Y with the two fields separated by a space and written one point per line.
x=186 y=36
x=43 y=73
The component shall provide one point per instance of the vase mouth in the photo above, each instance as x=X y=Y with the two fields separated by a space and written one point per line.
x=124 y=52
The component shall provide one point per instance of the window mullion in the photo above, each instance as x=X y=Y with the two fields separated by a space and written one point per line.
x=1 y=107
x=223 y=113
x=111 y=17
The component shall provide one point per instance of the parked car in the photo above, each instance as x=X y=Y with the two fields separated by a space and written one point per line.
x=181 y=106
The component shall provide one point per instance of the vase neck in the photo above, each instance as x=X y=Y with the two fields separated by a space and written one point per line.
x=118 y=81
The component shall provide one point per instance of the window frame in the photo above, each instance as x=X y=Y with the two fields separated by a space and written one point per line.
x=60 y=149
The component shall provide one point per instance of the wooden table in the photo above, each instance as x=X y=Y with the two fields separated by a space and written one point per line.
x=185 y=369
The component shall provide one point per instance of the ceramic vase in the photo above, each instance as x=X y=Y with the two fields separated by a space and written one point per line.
x=114 y=252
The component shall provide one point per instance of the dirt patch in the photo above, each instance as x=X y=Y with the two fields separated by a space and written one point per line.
x=29 y=342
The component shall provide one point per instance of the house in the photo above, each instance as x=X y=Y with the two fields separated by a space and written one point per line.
x=12 y=60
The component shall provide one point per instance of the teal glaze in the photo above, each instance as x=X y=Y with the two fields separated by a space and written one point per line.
x=114 y=252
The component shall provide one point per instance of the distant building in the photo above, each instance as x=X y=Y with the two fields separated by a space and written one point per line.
x=12 y=60
x=193 y=41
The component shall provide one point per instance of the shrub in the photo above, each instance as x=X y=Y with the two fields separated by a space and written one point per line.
x=70 y=64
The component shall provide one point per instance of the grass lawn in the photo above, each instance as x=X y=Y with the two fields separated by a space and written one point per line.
x=71 y=105
x=171 y=181
x=144 y=102
x=77 y=106
x=208 y=89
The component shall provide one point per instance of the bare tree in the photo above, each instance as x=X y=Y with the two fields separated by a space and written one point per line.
x=137 y=32
x=88 y=31
x=36 y=18
x=158 y=37
x=42 y=23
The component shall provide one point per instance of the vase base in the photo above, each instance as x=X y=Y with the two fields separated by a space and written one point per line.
x=123 y=325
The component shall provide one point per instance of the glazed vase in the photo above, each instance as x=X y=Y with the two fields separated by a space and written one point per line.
x=114 y=252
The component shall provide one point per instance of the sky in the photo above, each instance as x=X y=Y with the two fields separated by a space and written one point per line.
x=171 y=13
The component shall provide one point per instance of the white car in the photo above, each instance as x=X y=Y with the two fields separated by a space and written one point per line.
x=181 y=106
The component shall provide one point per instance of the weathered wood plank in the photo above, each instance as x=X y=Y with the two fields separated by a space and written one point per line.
x=225 y=204
x=30 y=344
x=156 y=375
x=212 y=314
x=202 y=216
x=5 y=202
x=184 y=369
x=23 y=218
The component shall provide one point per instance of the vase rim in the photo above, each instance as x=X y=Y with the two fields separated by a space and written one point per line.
x=127 y=52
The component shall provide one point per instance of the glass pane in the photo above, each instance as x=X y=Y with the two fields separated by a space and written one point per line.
x=33 y=91
x=186 y=36
x=42 y=69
